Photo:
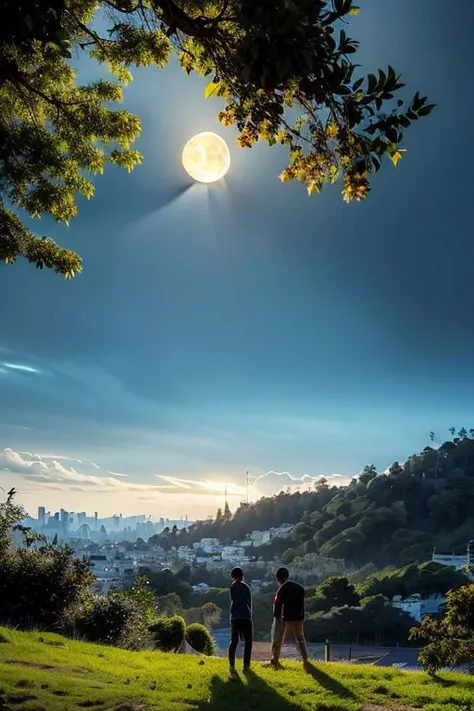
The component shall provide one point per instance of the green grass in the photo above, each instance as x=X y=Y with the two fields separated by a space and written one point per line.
x=44 y=672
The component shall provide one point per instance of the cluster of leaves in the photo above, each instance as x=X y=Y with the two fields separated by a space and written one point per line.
x=55 y=134
x=449 y=641
x=265 y=58
x=297 y=55
x=391 y=518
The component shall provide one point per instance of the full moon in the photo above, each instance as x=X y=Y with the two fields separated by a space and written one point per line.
x=206 y=157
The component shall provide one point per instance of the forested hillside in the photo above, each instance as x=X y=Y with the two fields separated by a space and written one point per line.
x=395 y=517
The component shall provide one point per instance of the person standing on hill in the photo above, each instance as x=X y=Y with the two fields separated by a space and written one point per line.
x=241 y=625
x=288 y=614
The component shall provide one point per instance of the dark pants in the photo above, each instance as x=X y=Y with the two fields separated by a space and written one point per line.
x=241 y=629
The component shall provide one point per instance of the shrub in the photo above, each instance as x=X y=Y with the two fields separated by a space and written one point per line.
x=168 y=633
x=115 y=619
x=38 y=586
x=200 y=639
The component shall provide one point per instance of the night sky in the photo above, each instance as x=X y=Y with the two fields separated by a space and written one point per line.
x=244 y=326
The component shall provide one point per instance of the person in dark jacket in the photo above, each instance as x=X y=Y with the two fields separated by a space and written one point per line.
x=241 y=626
x=288 y=614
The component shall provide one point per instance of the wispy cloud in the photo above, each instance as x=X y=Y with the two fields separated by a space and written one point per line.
x=21 y=368
x=13 y=427
x=203 y=486
x=54 y=475
x=273 y=481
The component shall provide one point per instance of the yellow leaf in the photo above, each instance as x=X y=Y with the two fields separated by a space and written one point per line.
x=313 y=188
x=354 y=10
x=210 y=89
x=396 y=155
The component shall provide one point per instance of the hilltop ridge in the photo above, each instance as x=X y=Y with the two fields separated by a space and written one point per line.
x=395 y=517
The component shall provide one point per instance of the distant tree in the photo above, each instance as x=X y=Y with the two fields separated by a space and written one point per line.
x=287 y=556
x=11 y=515
x=264 y=59
x=143 y=594
x=211 y=615
x=368 y=473
x=374 y=622
x=165 y=581
x=335 y=591
x=169 y=605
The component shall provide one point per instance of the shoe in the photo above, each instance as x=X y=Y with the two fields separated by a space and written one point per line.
x=274 y=664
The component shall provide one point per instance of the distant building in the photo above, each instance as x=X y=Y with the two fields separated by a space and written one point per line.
x=232 y=552
x=419 y=608
x=41 y=516
x=459 y=562
x=202 y=588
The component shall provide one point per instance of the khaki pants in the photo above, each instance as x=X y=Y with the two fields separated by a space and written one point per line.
x=281 y=632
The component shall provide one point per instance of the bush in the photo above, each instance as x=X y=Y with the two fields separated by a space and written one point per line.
x=39 y=586
x=115 y=619
x=168 y=633
x=200 y=639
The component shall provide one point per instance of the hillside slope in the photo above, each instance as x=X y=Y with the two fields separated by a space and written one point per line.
x=391 y=518
x=43 y=672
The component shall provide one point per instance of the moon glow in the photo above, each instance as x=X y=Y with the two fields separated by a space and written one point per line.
x=206 y=157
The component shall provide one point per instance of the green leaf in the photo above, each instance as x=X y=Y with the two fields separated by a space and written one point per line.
x=426 y=110
x=372 y=83
x=210 y=89
x=382 y=80
x=376 y=163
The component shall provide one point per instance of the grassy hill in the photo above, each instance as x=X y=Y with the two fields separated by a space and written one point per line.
x=44 y=672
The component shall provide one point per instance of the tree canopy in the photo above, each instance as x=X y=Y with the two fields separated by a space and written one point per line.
x=284 y=70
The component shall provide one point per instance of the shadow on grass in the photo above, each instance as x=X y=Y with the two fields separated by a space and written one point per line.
x=328 y=682
x=254 y=694
x=441 y=681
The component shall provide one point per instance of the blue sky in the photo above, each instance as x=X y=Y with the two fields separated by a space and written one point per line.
x=241 y=326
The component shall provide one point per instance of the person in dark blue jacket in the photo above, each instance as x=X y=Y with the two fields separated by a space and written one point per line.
x=241 y=625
